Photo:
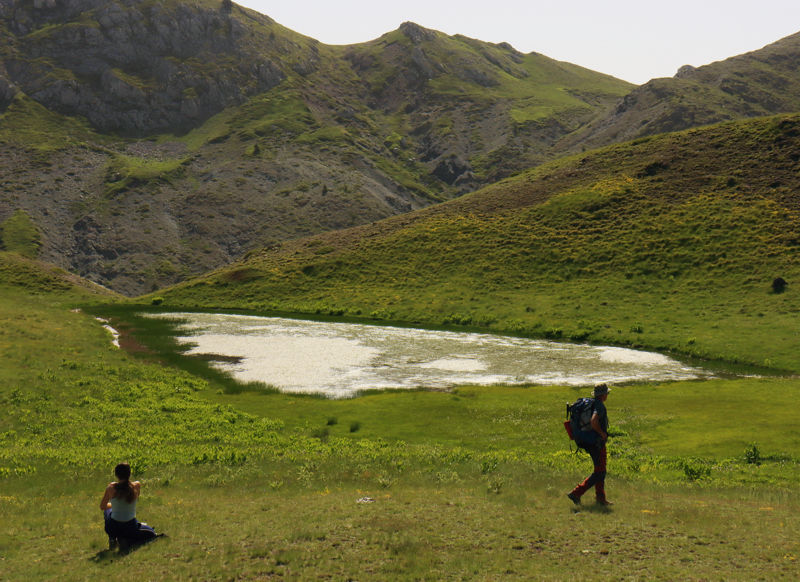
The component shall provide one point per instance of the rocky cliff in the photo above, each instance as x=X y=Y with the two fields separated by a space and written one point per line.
x=138 y=67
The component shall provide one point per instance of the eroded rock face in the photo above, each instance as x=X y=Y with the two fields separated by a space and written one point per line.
x=416 y=33
x=133 y=67
x=7 y=92
x=451 y=169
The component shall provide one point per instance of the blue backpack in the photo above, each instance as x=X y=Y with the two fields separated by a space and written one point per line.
x=579 y=418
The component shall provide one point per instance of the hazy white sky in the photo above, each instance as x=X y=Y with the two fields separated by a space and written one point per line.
x=635 y=40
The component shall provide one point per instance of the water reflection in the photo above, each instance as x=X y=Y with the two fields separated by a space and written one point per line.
x=342 y=359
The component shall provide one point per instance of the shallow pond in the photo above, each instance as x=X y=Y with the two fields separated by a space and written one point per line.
x=343 y=359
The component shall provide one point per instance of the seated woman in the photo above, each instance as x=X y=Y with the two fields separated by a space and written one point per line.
x=119 y=510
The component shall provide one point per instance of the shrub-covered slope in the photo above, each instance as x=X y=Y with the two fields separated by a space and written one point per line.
x=23 y=275
x=670 y=242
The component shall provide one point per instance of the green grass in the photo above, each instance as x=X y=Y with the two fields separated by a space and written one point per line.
x=658 y=419
x=27 y=123
x=46 y=32
x=670 y=243
x=125 y=171
x=33 y=278
x=336 y=134
x=141 y=83
x=276 y=112
x=538 y=89
x=465 y=485
x=18 y=233
x=451 y=531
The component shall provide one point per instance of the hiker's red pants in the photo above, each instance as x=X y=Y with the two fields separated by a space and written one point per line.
x=598 y=478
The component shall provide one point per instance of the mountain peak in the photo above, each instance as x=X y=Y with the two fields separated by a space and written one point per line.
x=416 y=33
x=754 y=84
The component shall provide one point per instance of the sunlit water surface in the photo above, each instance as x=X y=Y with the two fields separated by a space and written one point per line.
x=343 y=359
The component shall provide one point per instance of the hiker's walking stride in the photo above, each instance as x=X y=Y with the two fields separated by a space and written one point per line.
x=592 y=438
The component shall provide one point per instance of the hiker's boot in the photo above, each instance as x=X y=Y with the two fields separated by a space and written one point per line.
x=600 y=493
x=112 y=543
x=576 y=499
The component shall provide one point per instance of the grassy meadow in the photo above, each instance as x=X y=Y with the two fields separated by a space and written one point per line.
x=670 y=243
x=467 y=484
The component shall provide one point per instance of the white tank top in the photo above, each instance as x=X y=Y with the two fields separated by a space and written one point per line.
x=121 y=510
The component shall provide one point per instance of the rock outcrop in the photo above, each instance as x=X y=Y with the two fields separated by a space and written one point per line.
x=139 y=68
x=7 y=91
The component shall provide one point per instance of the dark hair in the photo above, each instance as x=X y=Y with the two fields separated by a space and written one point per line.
x=123 y=487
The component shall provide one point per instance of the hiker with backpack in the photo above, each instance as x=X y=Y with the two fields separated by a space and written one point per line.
x=589 y=427
x=119 y=511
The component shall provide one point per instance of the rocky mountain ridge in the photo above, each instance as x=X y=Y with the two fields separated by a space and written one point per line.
x=153 y=140
x=758 y=83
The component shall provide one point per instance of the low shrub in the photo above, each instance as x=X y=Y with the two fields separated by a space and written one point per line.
x=752 y=455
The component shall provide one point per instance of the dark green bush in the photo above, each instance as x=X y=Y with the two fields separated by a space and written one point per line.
x=752 y=455
x=779 y=285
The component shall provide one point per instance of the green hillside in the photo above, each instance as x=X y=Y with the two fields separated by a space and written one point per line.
x=26 y=276
x=671 y=242
x=217 y=132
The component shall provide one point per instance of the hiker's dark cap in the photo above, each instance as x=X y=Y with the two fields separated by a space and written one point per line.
x=601 y=389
